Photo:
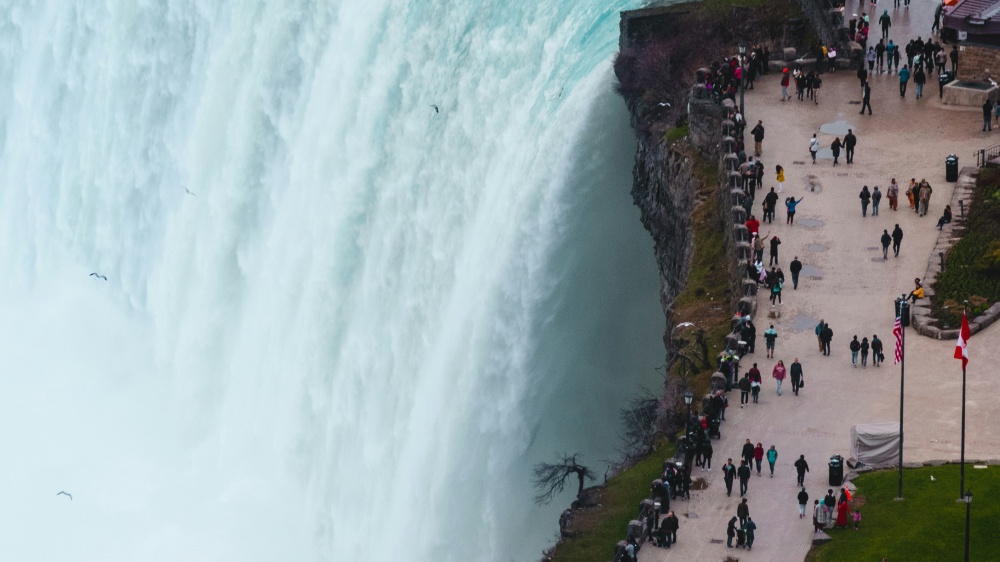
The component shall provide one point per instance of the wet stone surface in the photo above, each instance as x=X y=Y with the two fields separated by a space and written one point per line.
x=838 y=128
x=816 y=248
x=810 y=223
x=811 y=272
x=801 y=323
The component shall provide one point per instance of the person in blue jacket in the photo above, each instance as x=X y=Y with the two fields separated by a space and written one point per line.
x=904 y=77
x=790 y=204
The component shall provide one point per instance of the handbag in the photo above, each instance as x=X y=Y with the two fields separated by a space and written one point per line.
x=802 y=382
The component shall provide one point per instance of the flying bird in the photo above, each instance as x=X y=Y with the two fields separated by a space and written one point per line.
x=189 y=192
x=98 y=275
x=436 y=108
x=65 y=494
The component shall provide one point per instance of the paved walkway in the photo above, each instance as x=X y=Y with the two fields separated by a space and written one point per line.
x=853 y=289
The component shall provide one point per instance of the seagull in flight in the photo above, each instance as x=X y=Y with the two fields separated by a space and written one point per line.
x=436 y=108
x=65 y=494
x=98 y=275
x=189 y=192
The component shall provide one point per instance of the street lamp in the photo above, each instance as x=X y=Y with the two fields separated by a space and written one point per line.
x=968 y=507
x=688 y=399
x=743 y=51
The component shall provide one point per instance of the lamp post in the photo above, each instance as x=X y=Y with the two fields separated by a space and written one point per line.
x=962 y=470
x=688 y=399
x=743 y=51
x=899 y=331
x=968 y=508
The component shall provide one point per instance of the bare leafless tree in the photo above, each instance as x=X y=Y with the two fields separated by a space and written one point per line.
x=550 y=478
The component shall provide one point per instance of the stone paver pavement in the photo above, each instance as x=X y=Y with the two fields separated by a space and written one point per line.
x=852 y=289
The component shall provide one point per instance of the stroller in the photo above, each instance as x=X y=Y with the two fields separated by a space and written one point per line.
x=741 y=538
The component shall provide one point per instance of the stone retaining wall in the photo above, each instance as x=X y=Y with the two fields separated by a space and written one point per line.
x=922 y=321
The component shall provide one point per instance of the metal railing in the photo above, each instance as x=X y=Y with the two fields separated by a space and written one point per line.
x=984 y=155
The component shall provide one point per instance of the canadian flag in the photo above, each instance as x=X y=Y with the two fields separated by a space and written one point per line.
x=962 y=347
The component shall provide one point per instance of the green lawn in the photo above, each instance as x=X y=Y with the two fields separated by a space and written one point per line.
x=600 y=528
x=928 y=525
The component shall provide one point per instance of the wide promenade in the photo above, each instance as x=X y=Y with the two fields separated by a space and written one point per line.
x=847 y=283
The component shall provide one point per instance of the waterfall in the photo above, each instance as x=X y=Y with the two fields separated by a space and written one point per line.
x=338 y=323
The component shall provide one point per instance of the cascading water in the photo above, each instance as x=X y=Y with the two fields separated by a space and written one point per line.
x=338 y=323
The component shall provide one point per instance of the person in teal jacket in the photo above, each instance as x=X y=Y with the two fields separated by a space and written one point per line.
x=904 y=77
x=772 y=457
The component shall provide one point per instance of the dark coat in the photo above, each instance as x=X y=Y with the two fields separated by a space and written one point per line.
x=743 y=510
x=803 y=497
x=744 y=472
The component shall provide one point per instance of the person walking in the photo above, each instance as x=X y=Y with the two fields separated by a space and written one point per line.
x=772 y=457
x=743 y=511
x=728 y=474
x=880 y=55
x=904 y=78
x=779 y=374
x=813 y=147
x=707 y=452
x=670 y=526
x=817 y=82
x=925 y=196
x=801 y=468
x=855 y=348
x=775 y=241
x=744 y=473
x=876 y=199
x=750 y=528
x=895 y=55
x=866 y=101
x=987 y=114
x=803 y=500
x=877 y=351
x=747 y=453
x=919 y=79
x=770 y=202
x=770 y=336
x=886 y=239
x=865 y=346
x=827 y=337
x=776 y=286
x=755 y=381
x=758 y=138
x=794 y=268
x=885 y=22
x=790 y=205
x=954 y=59
x=893 y=194
x=870 y=58
x=796 y=374
x=850 y=141
x=866 y=198
x=897 y=239
x=744 y=386
x=731 y=531
x=818 y=513
x=758 y=456
x=819 y=334
x=912 y=191
x=835 y=149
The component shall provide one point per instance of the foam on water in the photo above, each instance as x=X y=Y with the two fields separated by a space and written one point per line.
x=363 y=322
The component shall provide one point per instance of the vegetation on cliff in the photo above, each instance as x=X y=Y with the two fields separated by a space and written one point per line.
x=659 y=68
x=972 y=267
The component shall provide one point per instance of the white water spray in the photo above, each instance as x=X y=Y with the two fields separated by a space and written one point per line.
x=338 y=325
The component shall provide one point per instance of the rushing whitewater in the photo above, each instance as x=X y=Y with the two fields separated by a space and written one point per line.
x=338 y=324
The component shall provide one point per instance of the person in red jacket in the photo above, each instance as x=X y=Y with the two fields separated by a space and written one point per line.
x=758 y=455
x=753 y=226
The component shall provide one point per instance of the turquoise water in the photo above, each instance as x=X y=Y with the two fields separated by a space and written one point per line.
x=337 y=323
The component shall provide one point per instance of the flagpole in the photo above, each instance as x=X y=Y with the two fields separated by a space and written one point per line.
x=902 y=365
x=961 y=489
x=962 y=352
x=902 y=320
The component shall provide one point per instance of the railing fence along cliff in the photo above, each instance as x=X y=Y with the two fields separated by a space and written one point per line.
x=984 y=155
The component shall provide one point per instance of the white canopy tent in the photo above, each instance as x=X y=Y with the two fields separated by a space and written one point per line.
x=875 y=444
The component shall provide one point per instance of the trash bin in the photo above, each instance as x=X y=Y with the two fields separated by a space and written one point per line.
x=951 y=168
x=836 y=470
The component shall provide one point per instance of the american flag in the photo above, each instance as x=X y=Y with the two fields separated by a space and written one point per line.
x=897 y=330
